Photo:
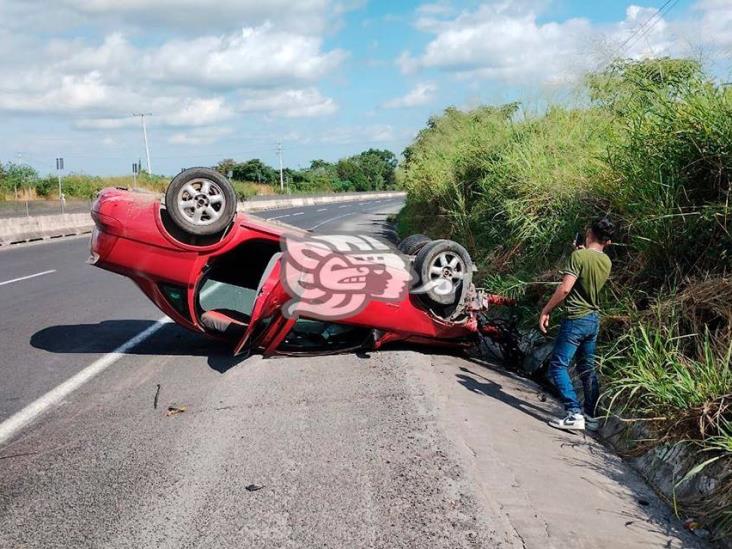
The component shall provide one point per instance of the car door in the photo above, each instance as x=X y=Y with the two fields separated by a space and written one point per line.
x=267 y=315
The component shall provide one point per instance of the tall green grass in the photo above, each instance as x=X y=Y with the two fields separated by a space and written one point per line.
x=653 y=149
x=678 y=381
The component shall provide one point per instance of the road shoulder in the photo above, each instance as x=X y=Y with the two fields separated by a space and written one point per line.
x=556 y=489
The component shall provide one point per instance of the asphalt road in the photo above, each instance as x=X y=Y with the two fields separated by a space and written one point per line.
x=70 y=314
x=395 y=449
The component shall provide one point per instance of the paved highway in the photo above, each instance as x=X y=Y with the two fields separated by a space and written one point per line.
x=59 y=314
x=389 y=449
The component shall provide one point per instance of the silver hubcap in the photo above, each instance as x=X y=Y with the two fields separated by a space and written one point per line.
x=201 y=201
x=446 y=270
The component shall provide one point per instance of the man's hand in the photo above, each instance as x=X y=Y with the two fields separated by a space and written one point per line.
x=559 y=295
x=543 y=322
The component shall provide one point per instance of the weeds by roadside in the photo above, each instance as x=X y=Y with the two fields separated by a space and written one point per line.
x=654 y=149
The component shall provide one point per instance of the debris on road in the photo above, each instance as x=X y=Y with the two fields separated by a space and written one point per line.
x=254 y=487
x=155 y=398
x=175 y=410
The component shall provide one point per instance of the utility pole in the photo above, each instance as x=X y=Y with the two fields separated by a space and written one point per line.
x=59 y=167
x=142 y=116
x=279 y=153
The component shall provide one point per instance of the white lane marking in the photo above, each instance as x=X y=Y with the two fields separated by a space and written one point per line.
x=297 y=213
x=27 y=277
x=344 y=206
x=321 y=210
x=332 y=219
x=278 y=216
x=25 y=416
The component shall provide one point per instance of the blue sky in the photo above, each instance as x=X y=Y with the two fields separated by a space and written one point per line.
x=327 y=78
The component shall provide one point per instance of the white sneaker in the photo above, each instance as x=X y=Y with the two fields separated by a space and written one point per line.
x=573 y=422
x=592 y=423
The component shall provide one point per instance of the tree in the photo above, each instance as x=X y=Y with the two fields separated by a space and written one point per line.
x=18 y=176
x=378 y=166
x=256 y=171
x=225 y=166
x=350 y=169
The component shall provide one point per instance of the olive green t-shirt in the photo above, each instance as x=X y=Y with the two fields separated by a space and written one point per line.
x=592 y=269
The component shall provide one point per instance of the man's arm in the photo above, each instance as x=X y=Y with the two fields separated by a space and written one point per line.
x=560 y=294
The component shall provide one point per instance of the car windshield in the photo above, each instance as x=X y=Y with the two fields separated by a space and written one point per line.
x=316 y=335
x=217 y=295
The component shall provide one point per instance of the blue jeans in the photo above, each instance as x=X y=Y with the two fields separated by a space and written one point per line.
x=577 y=338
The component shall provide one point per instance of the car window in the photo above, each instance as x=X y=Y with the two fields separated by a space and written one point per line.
x=317 y=335
x=223 y=296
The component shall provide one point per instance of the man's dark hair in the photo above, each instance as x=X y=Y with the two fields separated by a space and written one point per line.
x=603 y=229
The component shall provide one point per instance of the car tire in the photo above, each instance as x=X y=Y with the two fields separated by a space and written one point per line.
x=201 y=201
x=413 y=244
x=445 y=271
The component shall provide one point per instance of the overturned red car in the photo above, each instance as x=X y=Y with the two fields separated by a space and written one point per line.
x=276 y=289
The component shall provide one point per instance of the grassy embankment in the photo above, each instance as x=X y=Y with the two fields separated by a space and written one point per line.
x=653 y=148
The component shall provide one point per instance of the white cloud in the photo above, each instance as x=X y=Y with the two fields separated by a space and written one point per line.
x=374 y=134
x=255 y=56
x=421 y=94
x=105 y=123
x=509 y=42
x=716 y=22
x=183 y=83
x=39 y=91
x=199 y=112
x=199 y=136
x=499 y=41
x=193 y=16
x=289 y=103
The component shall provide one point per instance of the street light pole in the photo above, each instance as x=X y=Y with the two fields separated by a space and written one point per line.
x=279 y=153
x=142 y=116
x=59 y=167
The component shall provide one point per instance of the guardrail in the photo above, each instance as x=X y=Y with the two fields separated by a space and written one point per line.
x=16 y=230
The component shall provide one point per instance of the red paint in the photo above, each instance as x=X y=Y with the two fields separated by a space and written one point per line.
x=130 y=238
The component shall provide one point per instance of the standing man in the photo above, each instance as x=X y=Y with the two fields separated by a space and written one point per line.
x=584 y=276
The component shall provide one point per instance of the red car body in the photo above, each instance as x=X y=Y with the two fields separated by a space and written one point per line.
x=132 y=237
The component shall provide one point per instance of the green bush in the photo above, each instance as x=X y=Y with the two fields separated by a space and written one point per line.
x=16 y=177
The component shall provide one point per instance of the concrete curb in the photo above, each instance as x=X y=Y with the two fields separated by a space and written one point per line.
x=16 y=230
x=665 y=465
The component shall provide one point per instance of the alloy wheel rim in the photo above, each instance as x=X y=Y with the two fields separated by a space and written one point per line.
x=201 y=201
x=446 y=271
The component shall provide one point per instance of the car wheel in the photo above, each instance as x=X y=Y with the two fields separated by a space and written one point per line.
x=201 y=201
x=413 y=244
x=445 y=270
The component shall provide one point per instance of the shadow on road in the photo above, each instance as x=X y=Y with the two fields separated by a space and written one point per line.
x=106 y=337
x=485 y=386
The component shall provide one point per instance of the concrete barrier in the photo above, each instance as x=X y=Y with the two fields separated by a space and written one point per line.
x=24 y=229
x=15 y=230
x=295 y=201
